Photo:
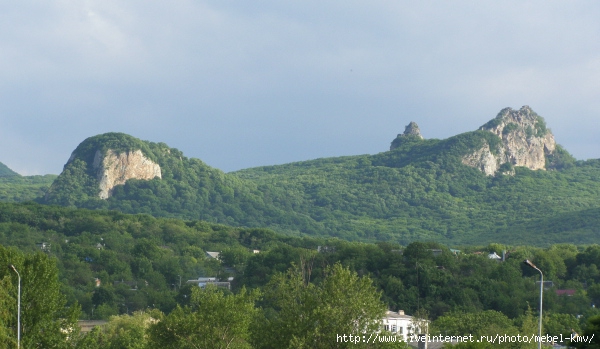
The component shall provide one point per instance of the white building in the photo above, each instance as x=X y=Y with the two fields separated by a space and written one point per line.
x=402 y=325
x=203 y=281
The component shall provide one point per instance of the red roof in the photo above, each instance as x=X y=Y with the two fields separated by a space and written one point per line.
x=565 y=292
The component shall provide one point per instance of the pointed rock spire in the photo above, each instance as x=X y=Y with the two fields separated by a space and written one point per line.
x=412 y=129
x=411 y=132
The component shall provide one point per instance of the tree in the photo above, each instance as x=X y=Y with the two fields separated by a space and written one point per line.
x=214 y=319
x=561 y=324
x=592 y=332
x=7 y=338
x=486 y=323
x=121 y=332
x=301 y=314
x=45 y=321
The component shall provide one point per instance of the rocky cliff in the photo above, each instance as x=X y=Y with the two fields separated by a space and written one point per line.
x=102 y=162
x=116 y=168
x=525 y=141
x=411 y=132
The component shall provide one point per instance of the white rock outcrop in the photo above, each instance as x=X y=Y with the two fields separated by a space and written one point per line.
x=114 y=169
x=525 y=141
x=482 y=159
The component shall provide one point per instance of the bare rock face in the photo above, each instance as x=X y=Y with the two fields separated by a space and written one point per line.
x=411 y=131
x=482 y=159
x=115 y=169
x=525 y=141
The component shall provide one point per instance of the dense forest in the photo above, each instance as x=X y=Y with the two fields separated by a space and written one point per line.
x=418 y=191
x=16 y=188
x=116 y=264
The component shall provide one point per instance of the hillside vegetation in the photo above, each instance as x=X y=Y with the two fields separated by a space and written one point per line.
x=112 y=263
x=17 y=188
x=188 y=188
x=6 y=172
x=420 y=190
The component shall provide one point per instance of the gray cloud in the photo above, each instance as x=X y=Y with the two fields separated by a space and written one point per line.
x=239 y=85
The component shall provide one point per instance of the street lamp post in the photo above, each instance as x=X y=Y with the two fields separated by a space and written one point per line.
x=528 y=262
x=18 y=307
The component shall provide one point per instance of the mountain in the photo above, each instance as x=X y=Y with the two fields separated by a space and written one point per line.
x=17 y=188
x=505 y=182
x=6 y=172
x=118 y=171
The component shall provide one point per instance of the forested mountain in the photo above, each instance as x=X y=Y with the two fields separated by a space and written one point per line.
x=6 y=172
x=17 y=188
x=507 y=182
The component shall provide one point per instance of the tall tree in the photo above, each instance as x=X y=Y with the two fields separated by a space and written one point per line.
x=213 y=320
x=45 y=321
x=306 y=315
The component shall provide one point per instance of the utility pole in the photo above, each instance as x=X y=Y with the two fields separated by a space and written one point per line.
x=18 y=307
x=527 y=262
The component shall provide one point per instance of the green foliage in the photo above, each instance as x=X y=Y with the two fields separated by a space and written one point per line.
x=591 y=331
x=213 y=320
x=188 y=188
x=45 y=322
x=121 y=332
x=487 y=327
x=540 y=126
x=485 y=323
x=6 y=172
x=561 y=324
x=418 y=191
x=506 y=167
x=24 y=188
x=404 y=140
x=495 y=121
x=308 y=315
x=560 y=159
x=118 y=142
x=141 y=258
x=510 y=127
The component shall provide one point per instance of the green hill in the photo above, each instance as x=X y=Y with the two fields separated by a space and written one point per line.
x=17 y=188
x=24 y=188
x=6 y=172
x=421 y=190
x=188 y=188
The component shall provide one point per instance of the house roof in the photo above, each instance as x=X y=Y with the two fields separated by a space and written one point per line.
x=394 y=315
x=565 y=292
x=213 y=254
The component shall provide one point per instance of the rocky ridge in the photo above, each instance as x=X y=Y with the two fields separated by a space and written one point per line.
x=525 y=141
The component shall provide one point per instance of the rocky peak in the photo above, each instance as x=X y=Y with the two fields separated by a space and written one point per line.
x=525 y=141
x=411 y=131
x=114 y=169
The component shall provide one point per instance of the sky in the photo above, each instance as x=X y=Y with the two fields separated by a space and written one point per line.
x=241 y=84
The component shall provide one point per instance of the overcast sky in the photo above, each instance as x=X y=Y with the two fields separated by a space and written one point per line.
x=240 y=84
